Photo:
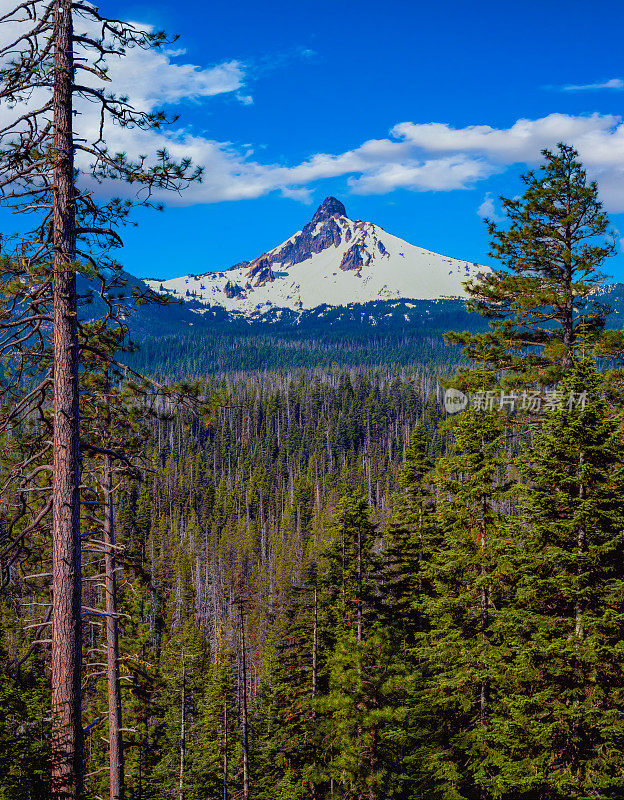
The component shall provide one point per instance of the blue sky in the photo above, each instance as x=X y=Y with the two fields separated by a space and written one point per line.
x=417 y=116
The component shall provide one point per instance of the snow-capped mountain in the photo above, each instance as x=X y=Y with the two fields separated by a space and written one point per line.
x=333 y=260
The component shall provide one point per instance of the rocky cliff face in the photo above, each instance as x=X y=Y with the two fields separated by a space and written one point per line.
x=321 y=232
x=356 y=257
x=232 y=290
x=260 y=272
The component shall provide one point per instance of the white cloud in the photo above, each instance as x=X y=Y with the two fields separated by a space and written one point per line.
x=302 y=195
x=487 y=209
x=613 y=83
x=522 y=142
x=416 y=156
x=431 y=156
x=438 y=174
x=153 y=79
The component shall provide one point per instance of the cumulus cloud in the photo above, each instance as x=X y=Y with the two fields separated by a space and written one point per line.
x=437 y=174
x=414 y=156
x=153 y=79
x=522 y=142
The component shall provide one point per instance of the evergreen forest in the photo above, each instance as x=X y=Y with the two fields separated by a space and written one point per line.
x=298 y=574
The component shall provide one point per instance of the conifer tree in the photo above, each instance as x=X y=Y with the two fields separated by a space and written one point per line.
x=286 y=718
x=551 y=254
x=465 y=576
x=410 y=534
x=563 y=730
x=214 y=759
x=24 y=717
x=357 y=716
x=41 y=75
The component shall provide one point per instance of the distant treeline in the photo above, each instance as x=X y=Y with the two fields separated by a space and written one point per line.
x=203 y=353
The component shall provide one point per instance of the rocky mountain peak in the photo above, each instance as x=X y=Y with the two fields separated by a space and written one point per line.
x=321 y=232
x=330 y=207
x=332 y=260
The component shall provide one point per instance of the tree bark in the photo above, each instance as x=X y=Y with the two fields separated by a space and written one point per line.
x=244 y=708
x=115 y=739
x=67 y=735
x=182 y=730
x=225 y=752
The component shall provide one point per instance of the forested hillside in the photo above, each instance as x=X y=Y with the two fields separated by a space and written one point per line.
x=391 y=334
x=234 y=512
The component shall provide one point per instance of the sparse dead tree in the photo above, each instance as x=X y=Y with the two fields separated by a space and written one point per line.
x=115 y=405
x=242 y=600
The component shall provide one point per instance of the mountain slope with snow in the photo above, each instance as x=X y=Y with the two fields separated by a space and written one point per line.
x=333 y=260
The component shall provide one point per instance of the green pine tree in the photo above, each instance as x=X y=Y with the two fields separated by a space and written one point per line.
x=410 y=532
x=552 y=252
x=24 y=718
x=357 y=717
x=563 y=728
x=286 y=758
x=466 y=577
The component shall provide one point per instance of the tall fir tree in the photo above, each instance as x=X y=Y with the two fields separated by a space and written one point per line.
x=358 y=718
x=466 y=577
x=410 y=534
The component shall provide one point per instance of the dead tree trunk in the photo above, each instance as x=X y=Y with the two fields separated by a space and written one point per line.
x=225 y=752
x=182 y=730
x=115 y=740
x=244 y=707
x=67 y=736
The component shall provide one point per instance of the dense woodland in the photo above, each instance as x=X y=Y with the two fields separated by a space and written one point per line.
x=229 y=518
x=305 y=581
x=326 y=586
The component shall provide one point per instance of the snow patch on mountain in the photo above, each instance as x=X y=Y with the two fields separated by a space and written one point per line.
x=333 y=260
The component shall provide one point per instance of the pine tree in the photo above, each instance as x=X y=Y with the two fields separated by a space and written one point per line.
x=409 y=535
x=286 y=761
x=357 y=718
x=465 y=577
x=184 y=668
x=24 y=714
x=552 y=253
x=41 y=77
x=214 y=759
